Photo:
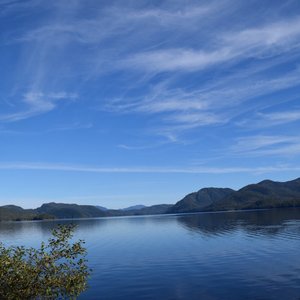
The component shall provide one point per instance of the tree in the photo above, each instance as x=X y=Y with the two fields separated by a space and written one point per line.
x=57 y=269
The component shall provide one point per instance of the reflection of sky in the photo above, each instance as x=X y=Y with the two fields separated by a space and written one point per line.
x=182 y=257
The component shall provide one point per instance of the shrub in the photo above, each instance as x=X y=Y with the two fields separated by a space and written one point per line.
x=58 y=269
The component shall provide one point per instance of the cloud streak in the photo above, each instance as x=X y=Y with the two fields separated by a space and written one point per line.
x=228 y=47
x=91 y=169
x=282 y=117
x=37 y=103
x=278 y=37
x=215 y=104
x=262 y=145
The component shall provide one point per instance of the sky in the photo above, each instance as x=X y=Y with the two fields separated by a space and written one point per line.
x=118 y=103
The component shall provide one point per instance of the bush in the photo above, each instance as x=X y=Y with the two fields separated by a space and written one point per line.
x=57 y=270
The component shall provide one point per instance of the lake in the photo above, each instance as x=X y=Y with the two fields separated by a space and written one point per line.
x=233 y=255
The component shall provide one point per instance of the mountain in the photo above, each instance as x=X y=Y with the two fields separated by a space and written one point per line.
x=146 y=210
x=265 y=194
x=101 y=207
x=68 y=211
x=200 y=200
x=134 y=207
x=12 y=212
x=49 y=211
x=152 y=210
x=16 y=213
x=62 y=210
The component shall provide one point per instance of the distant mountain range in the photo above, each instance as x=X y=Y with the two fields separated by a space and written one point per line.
x=135 y=207
x=101 y=207
x=265 y=194
x=200 y=200
x=70 y=211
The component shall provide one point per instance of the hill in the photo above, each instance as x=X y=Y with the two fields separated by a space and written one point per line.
x=101 y=207
x=16 y=213
x=200 y=200
x=69 y=211
x=152 y=210
x=145 y=210
x=265 y=194
x=62 y=210
x=134 y=207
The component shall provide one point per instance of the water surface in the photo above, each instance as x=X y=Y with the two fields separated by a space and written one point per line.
x=236 y=255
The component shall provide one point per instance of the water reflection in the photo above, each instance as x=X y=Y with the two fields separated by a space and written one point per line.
x=233 y=255
x=33 y=232
x=268 y=222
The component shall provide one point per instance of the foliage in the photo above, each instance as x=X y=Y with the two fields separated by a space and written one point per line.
x=57 y=269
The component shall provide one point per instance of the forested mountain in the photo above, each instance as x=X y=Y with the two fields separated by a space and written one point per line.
x=134 y=207
x=265 y=194
x=16 y=213
x=62 y=210
x=69 y=211
x=198 y=201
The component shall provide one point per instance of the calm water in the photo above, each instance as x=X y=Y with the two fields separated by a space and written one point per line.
x=241 y=255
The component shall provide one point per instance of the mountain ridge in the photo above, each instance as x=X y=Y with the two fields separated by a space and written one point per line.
x=264 y=194
x=200 y=199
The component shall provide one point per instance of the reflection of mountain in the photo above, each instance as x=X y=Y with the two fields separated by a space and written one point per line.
x=253 y=221
x=266 y=194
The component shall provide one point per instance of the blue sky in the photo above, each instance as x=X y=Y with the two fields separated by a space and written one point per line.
x=119 y=103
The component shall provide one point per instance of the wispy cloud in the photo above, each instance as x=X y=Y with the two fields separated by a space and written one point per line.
x=196 y=119
x=85 y=32
x=281 y=33
x=188 y=170
x=176 y=81
x=37 y=103
x=13 y=6
x=262 y=145
x=73 y=126
x=219 y=103
x=177 y=59
x=270 y=119
x=256 y=42
x=144 y=147
x=286 y=150
x=173 y=15
x=229 y=45
x=282 y=117
x=118 y=20
x=215 y=104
